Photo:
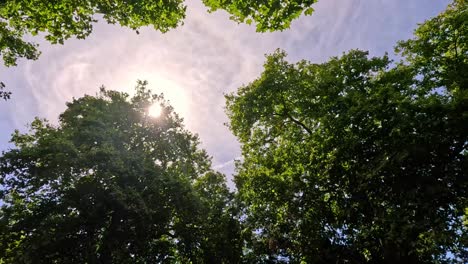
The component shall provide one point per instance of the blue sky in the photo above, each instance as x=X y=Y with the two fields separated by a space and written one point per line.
x=195 y=64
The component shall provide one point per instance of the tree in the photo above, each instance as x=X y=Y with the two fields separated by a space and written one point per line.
x=221 y=241
x=109 y=184
x=439 y=51
x=358 y=159
x=269 y=15
x=60 y=20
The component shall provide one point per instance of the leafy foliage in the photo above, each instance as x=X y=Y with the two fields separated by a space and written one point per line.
x=439 y=51
x=359 y=159
x=269 y=15
x=109 y=184
x=4 y=94
x=60 y=20
x=63 y=19
x=221 y=239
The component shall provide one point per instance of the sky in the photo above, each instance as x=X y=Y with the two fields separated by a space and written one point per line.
x=197 y=63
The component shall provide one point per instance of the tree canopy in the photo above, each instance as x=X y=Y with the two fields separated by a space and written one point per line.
x=60 y=20
x=109 y=184
x=268 y=15
x=359 y=159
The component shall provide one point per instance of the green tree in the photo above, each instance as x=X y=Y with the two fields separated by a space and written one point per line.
x=221 y=241
x=63 y=19
x=358 y=159
x=109 y=184
x=60 y=20
x=439 y=51
x=269 y=15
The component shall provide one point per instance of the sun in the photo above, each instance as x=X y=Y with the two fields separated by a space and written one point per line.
x=155 y=110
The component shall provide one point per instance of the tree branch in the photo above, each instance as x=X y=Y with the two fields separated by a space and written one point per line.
x=297 y=122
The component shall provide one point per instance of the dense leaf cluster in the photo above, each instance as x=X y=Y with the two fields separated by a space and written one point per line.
x=109 y=184
x=359 y=159
x=268 y=15
x=60 y=20
x=63 y=19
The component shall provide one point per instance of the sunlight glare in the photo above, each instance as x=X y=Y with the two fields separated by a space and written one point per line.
x=174 y=92
x=155 y=110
